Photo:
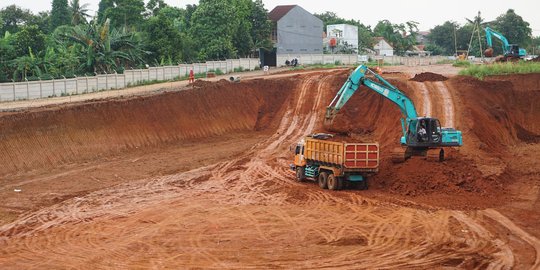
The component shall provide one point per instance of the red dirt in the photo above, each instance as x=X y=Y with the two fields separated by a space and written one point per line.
x=199 y=178
x=83 y=132
x=428 y=77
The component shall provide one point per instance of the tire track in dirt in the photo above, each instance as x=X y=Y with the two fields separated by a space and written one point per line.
x=426 y=100
x=511 y=226
x=247 y=212
x=447 y=104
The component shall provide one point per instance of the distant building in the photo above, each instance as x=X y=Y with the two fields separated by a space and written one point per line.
x=343 y=33
x=422 y=37
x=382 y=47
x=296 y=31
x=418 y=50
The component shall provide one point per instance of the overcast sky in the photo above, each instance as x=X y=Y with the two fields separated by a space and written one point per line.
x=427 y=12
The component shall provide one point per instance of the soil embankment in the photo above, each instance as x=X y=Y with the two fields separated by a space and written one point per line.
x=216 y=190
x=53 y=136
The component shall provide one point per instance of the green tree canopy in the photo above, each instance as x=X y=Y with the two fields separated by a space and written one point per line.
x=79 y=13
x=29 y=38
x=12 y=18
x=401 y=36
x=441 y=38
x=60 y=13
x=213 y=25
x=163 y=39
x=513 y=27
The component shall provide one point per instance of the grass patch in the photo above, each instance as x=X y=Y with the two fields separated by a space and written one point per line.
x=481 y=71
x=445 y=61
x=461 y=63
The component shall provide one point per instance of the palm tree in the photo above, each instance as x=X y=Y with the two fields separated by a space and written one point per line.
x=78 y=13
x=26 y=66
x=104 y=50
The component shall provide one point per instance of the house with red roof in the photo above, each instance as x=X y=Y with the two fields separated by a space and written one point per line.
x=296 y=31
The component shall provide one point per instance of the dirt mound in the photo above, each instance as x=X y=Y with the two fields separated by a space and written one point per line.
x=428 y=77
x=50 y=137
x=493 y=115
x=456 y=177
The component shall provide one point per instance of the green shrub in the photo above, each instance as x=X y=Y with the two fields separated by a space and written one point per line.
x=461 y=63
x=481 y=71
x=216 y=71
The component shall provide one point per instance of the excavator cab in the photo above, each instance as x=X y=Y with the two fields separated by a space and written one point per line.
x=424 y=132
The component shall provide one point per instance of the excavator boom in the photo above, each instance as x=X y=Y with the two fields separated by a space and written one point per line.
x=383 y=87
x=420 y=135
x=509 y=50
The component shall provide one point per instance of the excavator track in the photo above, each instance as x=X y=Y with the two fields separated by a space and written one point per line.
x=436 y=154
x=399 y=155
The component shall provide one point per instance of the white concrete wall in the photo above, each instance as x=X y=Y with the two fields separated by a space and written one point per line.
x=81 y=85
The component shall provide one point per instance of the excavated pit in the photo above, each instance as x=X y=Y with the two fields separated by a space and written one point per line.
x=50 y=137
x=495 y=114
x=199 y=178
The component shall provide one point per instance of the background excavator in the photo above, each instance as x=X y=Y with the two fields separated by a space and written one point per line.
x=421 y=136
x=510 y=51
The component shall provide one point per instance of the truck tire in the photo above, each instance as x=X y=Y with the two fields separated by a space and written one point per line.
x=333 y=182
x=341 y=183
x=300 y=174
x=323 y=180
x=364 y=184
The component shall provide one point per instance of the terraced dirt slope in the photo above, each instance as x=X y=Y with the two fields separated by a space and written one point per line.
x=199 y=178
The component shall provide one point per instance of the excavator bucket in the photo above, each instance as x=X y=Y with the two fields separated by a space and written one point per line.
x=488 y=52
x=329 y=116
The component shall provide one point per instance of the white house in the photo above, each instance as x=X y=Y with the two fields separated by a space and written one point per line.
x=382 y=47
x=343 y=33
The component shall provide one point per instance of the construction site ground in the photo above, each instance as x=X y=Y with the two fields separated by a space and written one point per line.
x=200 y=178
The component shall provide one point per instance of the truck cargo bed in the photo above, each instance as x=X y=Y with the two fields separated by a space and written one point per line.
x=349 y=156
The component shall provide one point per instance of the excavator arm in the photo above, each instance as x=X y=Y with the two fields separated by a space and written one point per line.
x=383 y=87
x=509 y=50
x=492 y=33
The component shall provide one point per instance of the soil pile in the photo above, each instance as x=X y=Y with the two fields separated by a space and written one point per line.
x=428 y=77
x=49 y=137
x=419 y=177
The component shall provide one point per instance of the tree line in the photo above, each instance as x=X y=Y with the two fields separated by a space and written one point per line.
x=123 y=34
x=68 y=41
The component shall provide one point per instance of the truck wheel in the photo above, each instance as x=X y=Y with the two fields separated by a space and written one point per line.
x=333 y=182
x=364 y=184
x=323 y=180
x=340 y=182
x=300 y=174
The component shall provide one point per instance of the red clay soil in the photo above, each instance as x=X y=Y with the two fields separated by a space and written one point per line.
x=242 y=208
x=50 y=137
x=498 y=116
x=428 y=77
x=500 y=111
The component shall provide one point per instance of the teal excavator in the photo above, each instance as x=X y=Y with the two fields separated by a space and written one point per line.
x=422 y=136
x=510 y=51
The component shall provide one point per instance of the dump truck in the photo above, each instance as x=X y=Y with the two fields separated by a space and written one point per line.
x=335 y=164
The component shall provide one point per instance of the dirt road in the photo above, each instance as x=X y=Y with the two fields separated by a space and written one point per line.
x=200 y=179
